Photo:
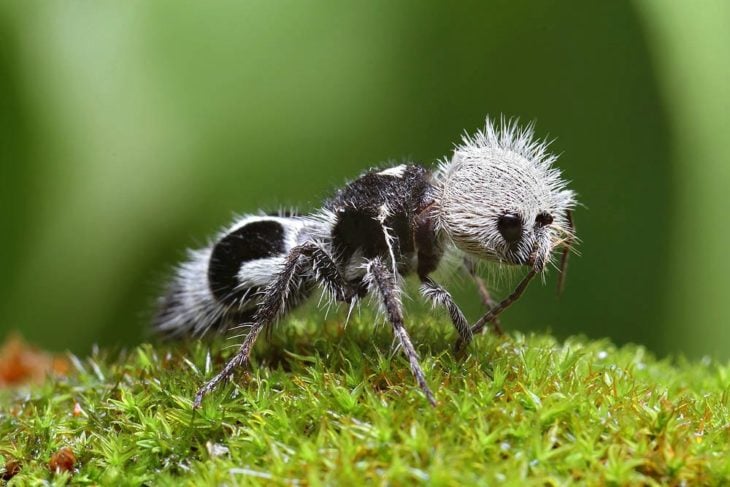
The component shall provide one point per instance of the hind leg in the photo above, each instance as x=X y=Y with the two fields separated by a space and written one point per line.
x=276 y=301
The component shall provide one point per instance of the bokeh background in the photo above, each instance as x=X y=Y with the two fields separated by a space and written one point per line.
x=132 y=130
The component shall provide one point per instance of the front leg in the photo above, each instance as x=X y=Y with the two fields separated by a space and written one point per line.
x=487 y=300
x=382 y=281
x=439 y=296
x=430 y=252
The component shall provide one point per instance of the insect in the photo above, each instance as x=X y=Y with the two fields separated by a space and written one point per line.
x=499 y=198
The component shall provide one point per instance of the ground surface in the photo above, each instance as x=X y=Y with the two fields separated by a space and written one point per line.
x=333 y=406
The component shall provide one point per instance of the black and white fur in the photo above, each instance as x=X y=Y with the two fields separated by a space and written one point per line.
x=498 y=198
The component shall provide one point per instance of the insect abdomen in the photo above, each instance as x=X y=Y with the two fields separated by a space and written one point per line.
x=218 y=287
x=235 y=267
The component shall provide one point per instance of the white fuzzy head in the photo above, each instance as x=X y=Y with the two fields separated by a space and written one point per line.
x=500 y=198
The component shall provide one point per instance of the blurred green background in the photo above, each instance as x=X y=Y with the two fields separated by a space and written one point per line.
x=131 y=130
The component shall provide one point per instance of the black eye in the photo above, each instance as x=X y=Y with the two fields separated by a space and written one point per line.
x=510 y=226
x=543 y=219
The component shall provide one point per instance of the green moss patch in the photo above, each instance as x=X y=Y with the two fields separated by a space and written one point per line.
x=327 y=405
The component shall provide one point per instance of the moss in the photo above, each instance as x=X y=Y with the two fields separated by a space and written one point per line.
x=334 y=406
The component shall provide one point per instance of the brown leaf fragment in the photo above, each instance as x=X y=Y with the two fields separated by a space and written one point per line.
x=21 y=363
x=12 y=468
x=62 y=461
x=77 y=411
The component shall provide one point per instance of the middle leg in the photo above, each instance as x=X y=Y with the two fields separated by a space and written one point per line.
x=382 y=281
x=441 y=297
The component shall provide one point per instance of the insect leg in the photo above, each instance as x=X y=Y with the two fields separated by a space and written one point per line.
x=441 y=297
x=486 y=296
x=276 y=301
x=327 y=273
x=272 y=306
x=382 y=281
x=506 y=303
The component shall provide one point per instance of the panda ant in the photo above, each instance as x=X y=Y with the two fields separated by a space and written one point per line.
x=498 y=198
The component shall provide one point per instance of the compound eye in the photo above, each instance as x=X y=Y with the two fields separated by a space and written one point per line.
x=543 y=219
x=510 y=227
